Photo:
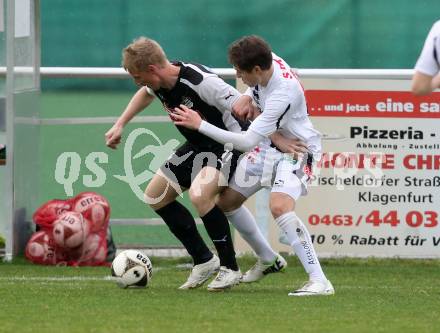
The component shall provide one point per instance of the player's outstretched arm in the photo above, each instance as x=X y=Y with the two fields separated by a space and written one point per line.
x=141 y=99
x=243 y=141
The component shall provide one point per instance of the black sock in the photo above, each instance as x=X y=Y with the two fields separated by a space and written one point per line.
x=181 y=223
x=217 y=226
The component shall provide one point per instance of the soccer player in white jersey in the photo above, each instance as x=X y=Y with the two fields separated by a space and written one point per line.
x=281 y=100
x=427 y=70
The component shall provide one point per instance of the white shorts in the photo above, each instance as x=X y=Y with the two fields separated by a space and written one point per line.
x=267 y=167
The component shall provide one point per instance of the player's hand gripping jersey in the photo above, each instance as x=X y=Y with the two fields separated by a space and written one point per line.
x=284 y=109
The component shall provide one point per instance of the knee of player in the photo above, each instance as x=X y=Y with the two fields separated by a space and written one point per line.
x=278 y=208
x=227 y=205
x=199 y=199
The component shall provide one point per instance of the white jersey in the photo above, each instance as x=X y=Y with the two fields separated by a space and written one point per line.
x=284 y=108
x=429 y=60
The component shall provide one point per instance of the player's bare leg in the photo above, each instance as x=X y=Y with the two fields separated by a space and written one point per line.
x=160 y=191
x=231 y=202
x=205 y=188
x=161 y=194
x=282 y=207
x=203 y=191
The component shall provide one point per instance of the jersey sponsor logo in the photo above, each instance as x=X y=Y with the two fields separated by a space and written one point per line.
x=187 y=102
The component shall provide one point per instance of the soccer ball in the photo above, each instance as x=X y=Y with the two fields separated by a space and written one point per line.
x=94 y=250
x=41 y=249
x=48 y=213
x=94 y=207
x=100 y=255
x=70 y=230
x=90 y=247
x=132 y=268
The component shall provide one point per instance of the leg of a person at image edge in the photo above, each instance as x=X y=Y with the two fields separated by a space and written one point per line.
x=181 y=223
x=282 y=206
x=231 y=202
x=203 y=191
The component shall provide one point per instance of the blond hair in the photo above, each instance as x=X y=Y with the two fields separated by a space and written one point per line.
x=142 y=52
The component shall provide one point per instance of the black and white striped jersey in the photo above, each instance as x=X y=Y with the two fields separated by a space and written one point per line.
x=203 y=91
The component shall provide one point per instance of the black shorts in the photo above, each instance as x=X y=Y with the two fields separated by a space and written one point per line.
x=188 y=160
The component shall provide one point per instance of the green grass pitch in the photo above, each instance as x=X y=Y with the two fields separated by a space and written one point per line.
x=371 y=296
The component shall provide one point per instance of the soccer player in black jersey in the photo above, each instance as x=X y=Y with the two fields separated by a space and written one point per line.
x=200 y=165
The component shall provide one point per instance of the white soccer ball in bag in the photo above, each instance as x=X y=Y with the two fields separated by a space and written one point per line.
x=94 y=207
x=70 y=230
x=132 y=268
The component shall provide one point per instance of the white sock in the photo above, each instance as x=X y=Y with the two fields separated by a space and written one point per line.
x=245 y=223
x=299 y=238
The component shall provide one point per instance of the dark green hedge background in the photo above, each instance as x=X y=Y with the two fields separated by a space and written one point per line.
x=307 y=33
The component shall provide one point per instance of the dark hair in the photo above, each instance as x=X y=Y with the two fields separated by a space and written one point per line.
x=250 y=51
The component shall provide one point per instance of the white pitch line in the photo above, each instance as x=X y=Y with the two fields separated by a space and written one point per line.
x=74 y=278
x=56 y=278
x=111 y=278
